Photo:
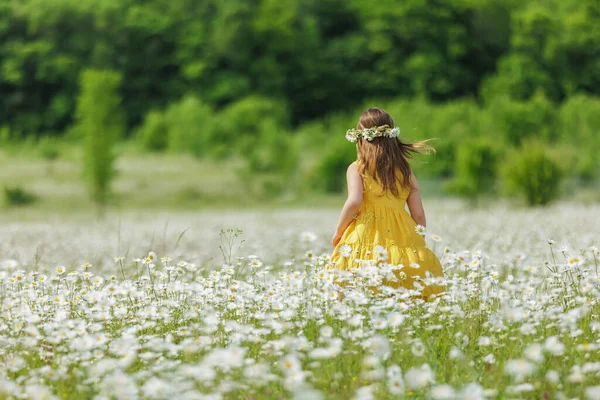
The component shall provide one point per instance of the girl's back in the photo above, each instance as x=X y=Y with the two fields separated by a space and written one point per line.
x=373 y=193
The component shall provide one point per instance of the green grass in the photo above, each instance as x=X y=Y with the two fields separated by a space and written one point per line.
x=143 y=181
x=171 y=181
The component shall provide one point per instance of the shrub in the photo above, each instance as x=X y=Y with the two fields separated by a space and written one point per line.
x=448 y=124
x=99 y=118
x=516 y=121
x=17 y=196
x=257 y=129
x=48 y=148
x=579 y=125
x=475 y=167
x=534 y=173
x=190 y=125
x=330 y=174
x=333 y=126
x=272 y=161
x=5 y=134
x=153 y=134
x=241 y=124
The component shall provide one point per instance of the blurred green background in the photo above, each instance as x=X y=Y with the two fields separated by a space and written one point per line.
x=187 y=104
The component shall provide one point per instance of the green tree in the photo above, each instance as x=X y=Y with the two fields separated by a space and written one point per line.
x=100 y=120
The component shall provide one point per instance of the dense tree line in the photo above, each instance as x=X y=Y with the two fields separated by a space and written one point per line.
x=314 y=56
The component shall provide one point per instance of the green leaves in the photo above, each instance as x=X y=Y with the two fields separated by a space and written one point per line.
x=100 y=120
x=535 y=173
x=476 y=167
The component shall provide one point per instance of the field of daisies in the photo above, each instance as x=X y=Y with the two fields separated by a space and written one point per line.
x=239 y=305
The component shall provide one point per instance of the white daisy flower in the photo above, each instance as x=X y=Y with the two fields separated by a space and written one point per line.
x=421 y=230
x=345 y=250
x=419 y=378
x=519 y=368
x=381 y=253
x=308 y=236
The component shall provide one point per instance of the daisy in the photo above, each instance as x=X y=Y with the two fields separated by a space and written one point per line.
x=255 y=263
x=552 y=376
x=592 y=392
x=308 y=236
x=554 y=346
x=381 y=253
x=290 y=365
x=534 y=353
x=421 y=230
x=418 y=378
x=489 y=359
x=418 y=348
x=519 y=368
x=10 y=264
x=442 y=392
x=396 y=384
x=326 y=331
x=345 y=250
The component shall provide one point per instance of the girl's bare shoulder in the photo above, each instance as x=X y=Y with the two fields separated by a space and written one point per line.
x=353 y=172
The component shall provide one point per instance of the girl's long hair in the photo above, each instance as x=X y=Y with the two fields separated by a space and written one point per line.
x=386 y=159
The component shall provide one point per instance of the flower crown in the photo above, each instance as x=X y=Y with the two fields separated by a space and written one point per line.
x=371 y=133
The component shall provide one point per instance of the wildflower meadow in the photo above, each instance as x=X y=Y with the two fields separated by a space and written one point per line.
x=183 y=306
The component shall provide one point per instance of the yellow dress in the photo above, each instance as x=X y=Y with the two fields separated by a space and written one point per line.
x=383 y=221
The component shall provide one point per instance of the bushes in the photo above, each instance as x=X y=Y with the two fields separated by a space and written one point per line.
x=185 y=126
x=470 y=139
x=515 y=121
x=244 y=123
x=153 y=134
x=100 y=120
x=17 y=196
x=475 y=167
x=193 y=126
x=449 y=124
x=190 y=125
x=533 y=172
x=579 y=128
x=330 y=174
x=48 y=149
x=256 y=129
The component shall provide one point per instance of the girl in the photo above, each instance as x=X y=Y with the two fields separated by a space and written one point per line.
x=374 y=227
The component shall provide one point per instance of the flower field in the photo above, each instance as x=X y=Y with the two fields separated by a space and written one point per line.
x=186 y=306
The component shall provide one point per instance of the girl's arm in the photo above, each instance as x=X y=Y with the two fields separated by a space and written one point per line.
x=415 y=205
x=352 y=205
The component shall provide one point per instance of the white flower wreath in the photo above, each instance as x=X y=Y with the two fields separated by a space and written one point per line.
x=371 y=133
